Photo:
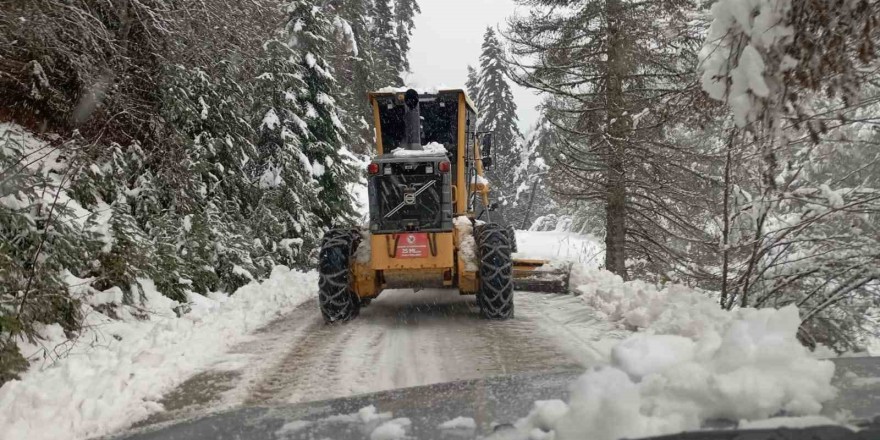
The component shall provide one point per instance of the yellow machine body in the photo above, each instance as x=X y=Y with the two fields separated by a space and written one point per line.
x=442 y=267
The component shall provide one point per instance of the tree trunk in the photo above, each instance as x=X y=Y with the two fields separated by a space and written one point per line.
x=725 y=232
x=525 y=221
x=615 y=223
x=618 y=132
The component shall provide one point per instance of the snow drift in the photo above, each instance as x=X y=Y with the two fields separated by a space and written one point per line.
x=118 y=369
x=560 y=247
x=687 y=362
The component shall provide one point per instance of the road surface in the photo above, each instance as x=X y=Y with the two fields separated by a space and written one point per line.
x=402 y=339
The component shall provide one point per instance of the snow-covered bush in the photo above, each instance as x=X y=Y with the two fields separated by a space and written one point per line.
x=40 y=235
x=545 y=223
x=796 y=229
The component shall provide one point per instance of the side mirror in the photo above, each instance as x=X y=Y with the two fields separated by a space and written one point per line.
x=493 y=206
x=486 y=149
x=486 y=146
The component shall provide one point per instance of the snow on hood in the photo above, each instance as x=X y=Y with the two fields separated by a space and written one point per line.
x=432 y=149
x=432 y=90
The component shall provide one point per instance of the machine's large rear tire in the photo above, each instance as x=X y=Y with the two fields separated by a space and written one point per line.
x=511 y=237
x=337 y=300
x=495 y=296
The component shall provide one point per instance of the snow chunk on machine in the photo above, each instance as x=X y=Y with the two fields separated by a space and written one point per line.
x=430 y=216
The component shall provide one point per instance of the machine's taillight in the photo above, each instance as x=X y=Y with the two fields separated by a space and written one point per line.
x=444 y=167
x=373 y=168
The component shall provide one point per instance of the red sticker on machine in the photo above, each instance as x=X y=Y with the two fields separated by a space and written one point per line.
x=412 y=245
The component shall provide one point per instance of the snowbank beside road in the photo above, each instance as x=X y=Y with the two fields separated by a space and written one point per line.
x=559 y=247
x=118 y=369
x=688 y=362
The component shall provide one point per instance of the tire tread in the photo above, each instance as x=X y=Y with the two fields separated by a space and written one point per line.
x=337 y=301
x=495 y=296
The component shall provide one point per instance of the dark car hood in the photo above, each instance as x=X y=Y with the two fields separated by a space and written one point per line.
x=494 y=403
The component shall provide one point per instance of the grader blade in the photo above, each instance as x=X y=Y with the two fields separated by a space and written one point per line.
x=539 y=276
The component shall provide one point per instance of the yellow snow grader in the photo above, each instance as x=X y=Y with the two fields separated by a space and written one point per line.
x=430 y=216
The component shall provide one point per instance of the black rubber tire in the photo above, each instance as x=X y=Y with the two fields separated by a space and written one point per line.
x=495 y=296
x=511 y=237
x=337 y=300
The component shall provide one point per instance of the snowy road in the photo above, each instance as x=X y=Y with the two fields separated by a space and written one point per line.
x=402 y=339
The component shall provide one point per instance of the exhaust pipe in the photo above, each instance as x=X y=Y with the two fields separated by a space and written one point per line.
x=412 y=121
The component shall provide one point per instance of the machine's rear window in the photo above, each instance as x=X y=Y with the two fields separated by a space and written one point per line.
x=439 y=120
x=394 y=214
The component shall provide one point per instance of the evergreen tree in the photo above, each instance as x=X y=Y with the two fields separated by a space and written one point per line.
x=283 y=173
x=198 y=246
x=498 y=115
x=353 y=62
x=210 y=110
x=405 y=12
x=321 y=138
x=533 y=199
x=304 y=168
x=388 y=57
x=233 y=244
x=472 y=83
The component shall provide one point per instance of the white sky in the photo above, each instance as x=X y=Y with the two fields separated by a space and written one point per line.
x=447 y=37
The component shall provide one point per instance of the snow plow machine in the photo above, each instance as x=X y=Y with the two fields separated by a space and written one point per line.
x=430 y=216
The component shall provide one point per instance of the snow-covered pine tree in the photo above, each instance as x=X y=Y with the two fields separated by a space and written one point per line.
x=472 y=83
x=303 y=168
x=197 y=247
x=498 y=115
x=352 y=59
x=533 y=198
x=232 y=245
x=387 y=56
x=210 y=113
x=287 y=189
x=321 y=138
x=405 y=12
x=122 y=248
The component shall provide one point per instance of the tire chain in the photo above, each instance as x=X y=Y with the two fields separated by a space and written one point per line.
x=337 y=301
x=495 y=296
x=511 y=238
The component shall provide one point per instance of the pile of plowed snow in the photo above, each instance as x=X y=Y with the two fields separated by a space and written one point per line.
x=118 y=369
x=559 y=247
x=687 y=362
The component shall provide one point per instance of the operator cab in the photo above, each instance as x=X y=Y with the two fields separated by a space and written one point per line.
x=438 y=114
x=434 y=127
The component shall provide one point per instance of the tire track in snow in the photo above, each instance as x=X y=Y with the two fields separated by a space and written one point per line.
x=311 y=364
x=227 y=383
x=574 y=326
x=404 y=339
